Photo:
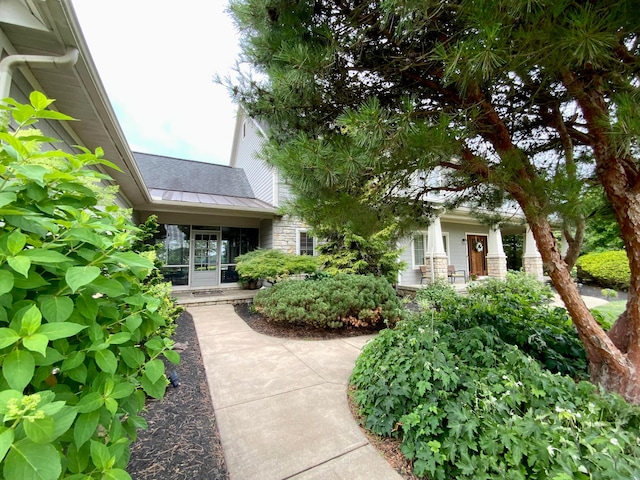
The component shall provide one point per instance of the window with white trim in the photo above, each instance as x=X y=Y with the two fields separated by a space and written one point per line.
x=305 y=243
x=419 y=249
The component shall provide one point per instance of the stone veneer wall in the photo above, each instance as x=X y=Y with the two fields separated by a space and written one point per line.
x=440 y=266
x=533 y=264
x=497 y=266
x=284 y=233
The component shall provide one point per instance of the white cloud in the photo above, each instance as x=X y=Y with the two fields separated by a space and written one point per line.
x=157 y=60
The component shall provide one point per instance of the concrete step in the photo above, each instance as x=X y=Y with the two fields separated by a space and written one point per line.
x=213 y=296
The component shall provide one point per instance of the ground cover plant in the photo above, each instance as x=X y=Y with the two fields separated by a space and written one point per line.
x=81 y=334
x=517 y=310
x=331 y=302
x=468 y=386
x=465 y=404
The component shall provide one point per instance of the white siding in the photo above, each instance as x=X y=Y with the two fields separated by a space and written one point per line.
x=260 y=175
x=409 y=276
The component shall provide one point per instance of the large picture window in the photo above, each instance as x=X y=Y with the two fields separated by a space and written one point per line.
x=235 y=242
x=174 y=253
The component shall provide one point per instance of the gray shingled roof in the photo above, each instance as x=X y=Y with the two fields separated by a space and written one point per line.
x=174 y=174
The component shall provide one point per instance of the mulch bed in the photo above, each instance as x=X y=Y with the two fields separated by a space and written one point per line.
x=299 y=332
x=182 y=441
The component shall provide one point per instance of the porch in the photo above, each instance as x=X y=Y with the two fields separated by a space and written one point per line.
x=410 y=290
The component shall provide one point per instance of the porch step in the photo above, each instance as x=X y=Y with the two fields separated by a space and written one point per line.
x=213 y=296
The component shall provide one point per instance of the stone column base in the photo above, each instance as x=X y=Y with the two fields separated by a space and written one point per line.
x=497 y=266
x=532 y=265
x=440 y=266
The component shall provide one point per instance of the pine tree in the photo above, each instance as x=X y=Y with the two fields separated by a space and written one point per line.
x=525 y=101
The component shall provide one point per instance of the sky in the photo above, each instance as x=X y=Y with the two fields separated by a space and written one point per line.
x=157 y=60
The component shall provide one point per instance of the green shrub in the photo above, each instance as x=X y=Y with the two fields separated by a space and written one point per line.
x=607 y=269
x=437 y=295
x=517 y=287
x=80 y=341
x=347 y=252
x=273 y=265
x=517 y=309
x=358 y=300
x=467 y=405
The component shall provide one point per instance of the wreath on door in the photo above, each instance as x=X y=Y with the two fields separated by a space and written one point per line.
x=479 y=247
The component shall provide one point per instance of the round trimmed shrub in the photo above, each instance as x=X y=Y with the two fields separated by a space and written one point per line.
x=333 y=302
x=607 y=269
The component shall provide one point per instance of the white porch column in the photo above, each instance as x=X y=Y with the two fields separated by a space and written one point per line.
x=496 y=258
x=531 y=260
x=564 y=245
x=435 y=256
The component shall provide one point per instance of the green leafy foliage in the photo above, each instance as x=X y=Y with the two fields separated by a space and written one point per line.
x=347 y=252
x=273 y=265
x=333 y=302
x=465 y=404
x=437 y=295
x=517 y=311
x=81 y=333
x=608 y=269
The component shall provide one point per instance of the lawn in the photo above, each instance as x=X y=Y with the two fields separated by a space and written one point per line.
x=612 y=310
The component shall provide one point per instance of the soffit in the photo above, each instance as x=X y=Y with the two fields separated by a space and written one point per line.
x=78 y=90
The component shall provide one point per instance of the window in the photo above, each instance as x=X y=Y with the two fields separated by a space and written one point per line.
x=445 y=242
x=306 y=243
x=236 y=241
x=419 y=249
x=174 y=253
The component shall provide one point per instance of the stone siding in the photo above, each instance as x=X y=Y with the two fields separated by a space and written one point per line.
x=284 y=233
x=532 y=264
x=440 y=266
x=497 y=266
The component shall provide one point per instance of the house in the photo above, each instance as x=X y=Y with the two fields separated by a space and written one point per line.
x=209 y=214
x=456 y=238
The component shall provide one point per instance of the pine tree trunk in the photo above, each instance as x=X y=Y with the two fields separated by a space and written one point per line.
x=610 y=367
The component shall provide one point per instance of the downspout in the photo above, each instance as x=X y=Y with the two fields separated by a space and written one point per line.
x=8 y=65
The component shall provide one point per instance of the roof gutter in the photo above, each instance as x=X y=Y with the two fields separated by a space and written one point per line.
x=10 y=63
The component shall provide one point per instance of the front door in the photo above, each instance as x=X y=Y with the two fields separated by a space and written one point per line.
x=477 y=251
x=205 y=271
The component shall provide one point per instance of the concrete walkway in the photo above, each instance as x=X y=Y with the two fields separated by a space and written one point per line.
x=590 y=302
x=281 y=405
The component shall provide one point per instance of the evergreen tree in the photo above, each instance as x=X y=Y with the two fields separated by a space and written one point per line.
x=373 y=105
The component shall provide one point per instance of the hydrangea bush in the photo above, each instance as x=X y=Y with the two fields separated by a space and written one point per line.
x=80 y=346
